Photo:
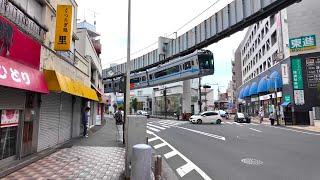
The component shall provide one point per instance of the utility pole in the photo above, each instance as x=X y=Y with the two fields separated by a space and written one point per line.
x=127 y=94
x=199 y=101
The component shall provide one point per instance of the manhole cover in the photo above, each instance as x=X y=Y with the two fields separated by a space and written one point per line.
x=251 y=161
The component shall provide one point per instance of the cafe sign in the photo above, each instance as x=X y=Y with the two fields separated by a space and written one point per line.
x=302 y=43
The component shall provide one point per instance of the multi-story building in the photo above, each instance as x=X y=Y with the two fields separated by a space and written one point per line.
x=42 y=89
x=281 y=54
x=89 y=47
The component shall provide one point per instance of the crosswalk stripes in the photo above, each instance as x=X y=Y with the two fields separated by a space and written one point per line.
x=157 y=126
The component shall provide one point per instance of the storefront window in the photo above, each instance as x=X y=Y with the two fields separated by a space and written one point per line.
x=8 y=133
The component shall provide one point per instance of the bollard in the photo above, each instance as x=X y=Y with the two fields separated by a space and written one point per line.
x=141 y=162
x=147 y=140
x=158 y=168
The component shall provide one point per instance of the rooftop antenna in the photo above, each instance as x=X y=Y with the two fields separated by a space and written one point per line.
x=94 y=16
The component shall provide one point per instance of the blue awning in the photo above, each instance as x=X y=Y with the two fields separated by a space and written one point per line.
x=263 y=85
x=285 y=103
x=253 y=89
x=246 y=92
x=274 y=80
x=241 y=94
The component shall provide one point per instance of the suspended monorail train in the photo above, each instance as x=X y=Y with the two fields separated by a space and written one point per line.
x=197 y=64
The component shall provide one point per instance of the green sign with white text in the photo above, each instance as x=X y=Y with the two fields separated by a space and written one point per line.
x=297 y=73
x=302 y=43
x=287 y=98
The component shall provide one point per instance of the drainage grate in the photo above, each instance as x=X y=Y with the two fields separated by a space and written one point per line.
x=251 y=161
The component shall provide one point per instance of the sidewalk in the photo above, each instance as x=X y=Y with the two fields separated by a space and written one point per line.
x=96 y=157
x=315 y=128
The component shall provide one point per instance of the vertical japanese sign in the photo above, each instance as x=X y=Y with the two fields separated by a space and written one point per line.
x=313 y=71
x=9 y=118
x=302 y=43
x=285 y=73
x=63 y=28
x=297 y=73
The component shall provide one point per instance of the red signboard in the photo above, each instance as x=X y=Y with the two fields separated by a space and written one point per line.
x=16 y=75
x=16 y=45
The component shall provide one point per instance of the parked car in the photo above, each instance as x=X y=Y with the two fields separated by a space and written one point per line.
x=222 y=113
x=240 y=117
x=143 y=113
x=206 y=117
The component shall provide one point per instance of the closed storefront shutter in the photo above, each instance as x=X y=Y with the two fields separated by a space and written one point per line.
x=65 y=118
x=49 y=121
x=12 y=98
x=76 y=117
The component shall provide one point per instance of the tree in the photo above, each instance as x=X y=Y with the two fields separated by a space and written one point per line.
x=134 y=104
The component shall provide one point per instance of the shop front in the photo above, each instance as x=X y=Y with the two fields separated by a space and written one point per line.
x=60 y=111
x=21 y=84
x=20 y=87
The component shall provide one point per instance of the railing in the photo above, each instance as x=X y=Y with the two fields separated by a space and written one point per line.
x=22 y=19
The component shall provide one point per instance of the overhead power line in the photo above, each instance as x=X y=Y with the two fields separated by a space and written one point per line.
x=181 y=27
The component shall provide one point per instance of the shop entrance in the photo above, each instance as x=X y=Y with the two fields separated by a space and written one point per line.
x=31 y=119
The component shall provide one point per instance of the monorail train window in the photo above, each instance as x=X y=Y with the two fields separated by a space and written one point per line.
x=173 y=69
x=205 y=62
x=150 y=76
x=109 y=85
x=187 y=65
x=160 y=74
x=135 y=80
x=192 y=63
x=143 y=78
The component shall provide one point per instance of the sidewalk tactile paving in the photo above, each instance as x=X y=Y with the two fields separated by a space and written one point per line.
x=83 y=162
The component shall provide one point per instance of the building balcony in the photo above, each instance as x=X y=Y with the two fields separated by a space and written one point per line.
x=24 y=21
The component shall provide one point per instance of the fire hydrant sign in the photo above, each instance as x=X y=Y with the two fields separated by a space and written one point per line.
x=9 y=118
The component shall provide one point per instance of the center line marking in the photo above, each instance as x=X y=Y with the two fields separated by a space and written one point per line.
x=204 y=133
x=255 y=130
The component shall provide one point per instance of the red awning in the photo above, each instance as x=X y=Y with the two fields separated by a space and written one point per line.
x=16 y=75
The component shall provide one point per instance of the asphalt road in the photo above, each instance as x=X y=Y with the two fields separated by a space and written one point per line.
x=233 y=151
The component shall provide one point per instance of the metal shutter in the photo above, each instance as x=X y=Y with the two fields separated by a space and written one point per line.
x=49 y=121
x=76 y=117
x=12 y=98
x=65 y=118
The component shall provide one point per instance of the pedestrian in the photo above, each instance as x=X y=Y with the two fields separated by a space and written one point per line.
x=272 y=118
x=261 y=114
x=85 y=121
x=119 y=124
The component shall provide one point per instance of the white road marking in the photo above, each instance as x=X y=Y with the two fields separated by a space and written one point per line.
x=153 y=129
x=153 y=139
x=255 y=130
x=158 y=127
x=185 y=169
x=238 y=124
x=159 y=145
x=203 y=133
x=160 y=124
x=310 y=133
x=229 y=122
x=170 y=123
x=170 y=154
x=195 y=167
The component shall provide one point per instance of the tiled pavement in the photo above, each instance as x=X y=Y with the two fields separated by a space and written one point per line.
x=81 y=161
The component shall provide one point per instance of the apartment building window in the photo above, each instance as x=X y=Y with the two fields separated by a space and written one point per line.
x=264 y=65
x=274 y=38
x=272 y=20
x=268 y=44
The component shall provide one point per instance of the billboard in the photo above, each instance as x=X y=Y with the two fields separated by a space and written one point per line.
x=17 y=46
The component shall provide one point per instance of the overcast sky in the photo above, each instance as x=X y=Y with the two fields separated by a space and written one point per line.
x=151 y=19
